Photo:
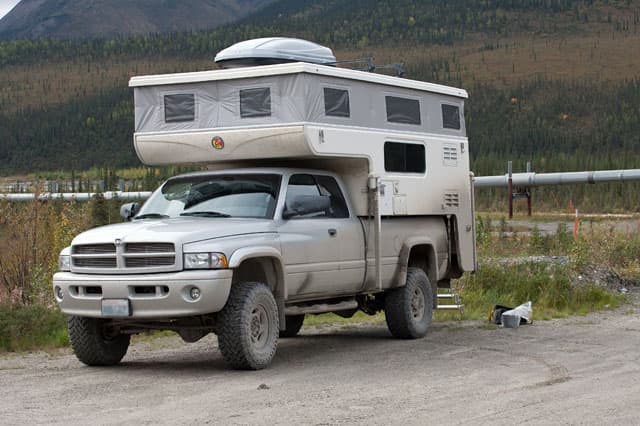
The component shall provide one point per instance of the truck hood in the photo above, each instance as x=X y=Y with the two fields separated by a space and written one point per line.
x=178 y=230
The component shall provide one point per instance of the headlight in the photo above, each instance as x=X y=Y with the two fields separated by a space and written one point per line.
x=64 y=263
x=205 y=261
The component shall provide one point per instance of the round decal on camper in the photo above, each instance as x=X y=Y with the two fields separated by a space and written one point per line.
x=217 y=142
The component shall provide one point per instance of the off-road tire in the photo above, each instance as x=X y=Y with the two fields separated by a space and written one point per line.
x=408 y=310
x=248 y=327
x=293 y=324
x=92 y=346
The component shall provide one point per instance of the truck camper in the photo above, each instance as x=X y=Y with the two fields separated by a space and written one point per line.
x=328 y=190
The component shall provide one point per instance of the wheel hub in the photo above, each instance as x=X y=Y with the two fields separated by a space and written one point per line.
x=259 y=326
x=417 y=304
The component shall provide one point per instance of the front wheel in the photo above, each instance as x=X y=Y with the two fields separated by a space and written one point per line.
x=248 y=327
x=95 y=343
x=408 y=310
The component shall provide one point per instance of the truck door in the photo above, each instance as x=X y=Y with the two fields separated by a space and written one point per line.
x=323 y=251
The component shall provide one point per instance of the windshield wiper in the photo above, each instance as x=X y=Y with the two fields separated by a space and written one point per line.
x=151 y=216
x=205 y=214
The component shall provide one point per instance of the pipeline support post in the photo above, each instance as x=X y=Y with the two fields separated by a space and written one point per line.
x=529 y=191
x=510 y=188
x=520 y=192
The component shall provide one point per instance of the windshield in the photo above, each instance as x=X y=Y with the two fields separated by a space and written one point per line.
x=240 y=195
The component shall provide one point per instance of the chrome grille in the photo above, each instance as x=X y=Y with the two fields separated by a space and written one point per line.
x=145 y=262
x=106 y=256
x=149 y=248
x=94 y=249
x=95 y=262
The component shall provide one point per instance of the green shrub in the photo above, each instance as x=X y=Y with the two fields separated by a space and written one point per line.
x=25 y=327
x=549 y=288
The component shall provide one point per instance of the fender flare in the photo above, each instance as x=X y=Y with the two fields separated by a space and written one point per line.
x=403 y=259
x=280 y=290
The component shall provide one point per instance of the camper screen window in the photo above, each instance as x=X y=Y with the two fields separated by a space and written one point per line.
x=336 y=102
x=450 y=117
x=179 y=108
x=255 y=102
x=404 y=157
x=402 y=110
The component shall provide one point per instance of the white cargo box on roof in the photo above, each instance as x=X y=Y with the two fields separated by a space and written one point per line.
x=273 y=50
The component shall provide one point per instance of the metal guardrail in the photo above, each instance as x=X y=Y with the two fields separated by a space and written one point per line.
x=77 y=196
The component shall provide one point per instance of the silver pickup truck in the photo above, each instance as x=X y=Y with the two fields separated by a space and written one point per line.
x=246 y=254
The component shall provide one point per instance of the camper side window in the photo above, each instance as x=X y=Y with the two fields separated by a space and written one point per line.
x=336 y=102
x=402 y=110
x=404 y=157
x=180 y=107
x=255 y=102
x=450 y=117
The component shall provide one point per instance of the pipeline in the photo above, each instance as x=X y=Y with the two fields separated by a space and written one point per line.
x=531 y=179
x=77 y=196
x=527 y=179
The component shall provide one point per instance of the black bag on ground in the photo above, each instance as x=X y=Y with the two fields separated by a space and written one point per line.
x=496 y=314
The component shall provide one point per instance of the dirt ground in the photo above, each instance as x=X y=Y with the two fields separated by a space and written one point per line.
x=581 y=370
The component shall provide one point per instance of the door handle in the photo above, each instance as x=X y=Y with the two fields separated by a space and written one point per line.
x=332 y=232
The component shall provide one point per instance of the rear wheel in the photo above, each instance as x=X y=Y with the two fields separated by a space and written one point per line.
x=293 y=325
x=408 y=310
x=95 y=343
x=248 y=327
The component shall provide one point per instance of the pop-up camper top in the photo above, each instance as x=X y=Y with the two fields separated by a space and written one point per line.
x=359 y=124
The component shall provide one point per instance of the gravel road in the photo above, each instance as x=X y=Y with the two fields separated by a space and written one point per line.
x=581 y=370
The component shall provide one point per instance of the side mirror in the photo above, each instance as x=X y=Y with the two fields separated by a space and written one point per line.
x=302 y=205
x=129 y=210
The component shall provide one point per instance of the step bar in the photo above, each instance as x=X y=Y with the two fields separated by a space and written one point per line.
x=347 y=305
x=451 y=307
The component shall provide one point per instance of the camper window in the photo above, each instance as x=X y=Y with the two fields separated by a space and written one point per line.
x=404 y=157
x=255 y=102
x=402 y=110
x=179 y=107
x=336 y=102
x=450 y=117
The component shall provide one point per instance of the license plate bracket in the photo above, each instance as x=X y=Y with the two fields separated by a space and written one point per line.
x=116 y=307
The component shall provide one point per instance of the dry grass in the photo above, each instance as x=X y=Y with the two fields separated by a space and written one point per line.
x=597 y=55
x=43 y=85
x=607 y=56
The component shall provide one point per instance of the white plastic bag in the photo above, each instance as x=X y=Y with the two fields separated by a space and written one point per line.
x=514 y=316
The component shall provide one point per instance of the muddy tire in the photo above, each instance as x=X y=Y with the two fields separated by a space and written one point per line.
x=248 y=327
x=94 y=344
x=293 y=325
x=408 y=310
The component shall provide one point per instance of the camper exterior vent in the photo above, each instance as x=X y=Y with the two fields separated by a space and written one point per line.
x=273 y=50
x=450 y=154
x=451 y=200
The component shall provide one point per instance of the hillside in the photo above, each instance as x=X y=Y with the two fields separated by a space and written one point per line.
x=553 y=82
x=64 y=19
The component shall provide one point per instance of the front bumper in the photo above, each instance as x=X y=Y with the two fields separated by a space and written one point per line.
x=151 y=296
